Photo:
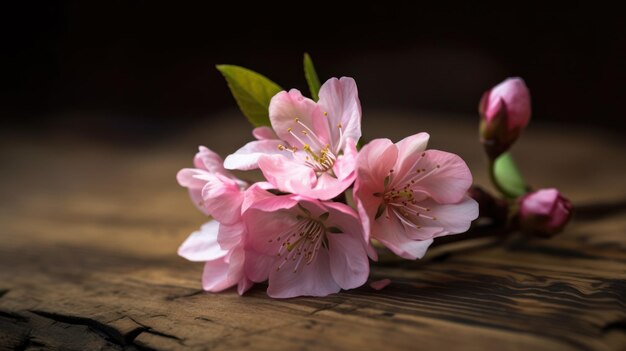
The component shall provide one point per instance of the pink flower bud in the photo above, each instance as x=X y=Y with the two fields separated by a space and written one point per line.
x=544 y=212
x=504 y=112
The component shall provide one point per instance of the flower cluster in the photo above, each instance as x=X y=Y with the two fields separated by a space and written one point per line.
x=295 y=229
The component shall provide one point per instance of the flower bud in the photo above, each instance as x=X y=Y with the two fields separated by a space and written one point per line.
x=544 y=212
x=504 y=113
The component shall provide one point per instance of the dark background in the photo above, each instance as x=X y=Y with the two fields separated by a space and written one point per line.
x=132 y=69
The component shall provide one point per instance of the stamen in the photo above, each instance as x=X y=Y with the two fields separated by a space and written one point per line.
x=301 y=243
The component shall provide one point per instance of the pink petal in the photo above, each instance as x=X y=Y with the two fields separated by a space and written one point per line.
x=192 y=178
x=409 y=151
x=210 y=161
x=327 y=187
x=452 y=218
x=348 y=256
x=197 y=200
x=540 y=202
x=223 y=199
x=265 y=228
x=339 y=98
x=345 y=165
x=274 y=203
x=375 y=161
x=247 y=157
x=215 y=276
x=348 y=259
x=231 y=235
x=446 y=176
x=255 y=193
x=262 y=133
x=202 y=245
x=380 y=284
x=223 y=273
x=244 y=285
x=285 y=107
x=314 y=279
x=287 y=175
x=258 y=266
x=391 y=234
x=516 y=97
x=367 y=205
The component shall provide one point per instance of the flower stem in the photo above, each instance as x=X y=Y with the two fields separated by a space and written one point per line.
x=494 y=180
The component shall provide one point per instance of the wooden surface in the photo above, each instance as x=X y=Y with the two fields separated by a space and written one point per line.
x=89 y=232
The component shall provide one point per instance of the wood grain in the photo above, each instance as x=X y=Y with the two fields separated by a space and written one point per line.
x=89 y=232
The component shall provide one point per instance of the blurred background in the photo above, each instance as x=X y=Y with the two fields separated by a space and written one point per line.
x=137 y=71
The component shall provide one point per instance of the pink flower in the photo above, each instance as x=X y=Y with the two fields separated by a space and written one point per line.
x=505 y=112
x=223 y=268
x=213 y=189
x=544 y=212
x=304 y=246
x=311 y=148
x=407 y=195
x=218 y=193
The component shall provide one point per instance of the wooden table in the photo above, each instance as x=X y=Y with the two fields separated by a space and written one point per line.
x=89 y=233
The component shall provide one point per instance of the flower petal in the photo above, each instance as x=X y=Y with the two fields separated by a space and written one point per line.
x=391 y=234
x=345 y=166
x=375 y=161
x=380 y=284
x=339 y=99
x=285 y=107
x=223 y=199
x=262 y=133
x=258 y=266
x=210 y=161
x=446 y=176
x=192 y=178
x=244 y=285
x=328 y=187
x=409 y=152
x=314 y=279
x=231 y=235
x=215 y=276
x=202 y=245
x=247 y=157
x=452 y=218
x=267 y=227
x=287 y=175
x=348 y=259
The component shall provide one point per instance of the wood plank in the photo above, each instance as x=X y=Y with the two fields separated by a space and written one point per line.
x=89 y=232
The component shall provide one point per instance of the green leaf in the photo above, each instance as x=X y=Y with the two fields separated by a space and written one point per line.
x=507 y=176
x=311 y=77
x=252 y=92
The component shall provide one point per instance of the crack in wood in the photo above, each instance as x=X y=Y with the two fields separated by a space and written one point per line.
x=98 y=327
x=150 y=330
x=176 y=297
x=125 y=340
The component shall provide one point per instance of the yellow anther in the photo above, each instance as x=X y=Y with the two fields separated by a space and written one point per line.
x=289 y=129
x=339 y=126
x=325 y=113
x=304 y=132
x=297 y=119
x=281 y=147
